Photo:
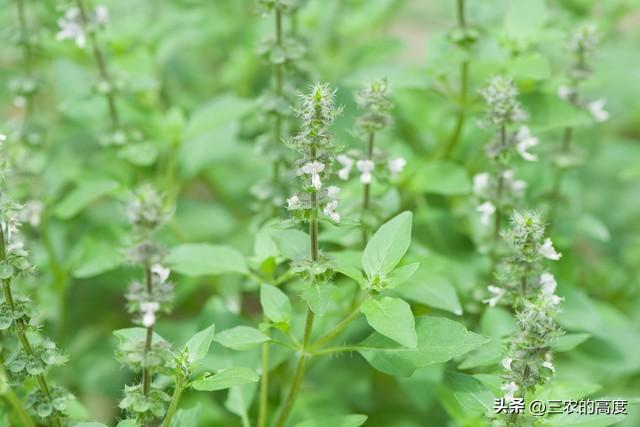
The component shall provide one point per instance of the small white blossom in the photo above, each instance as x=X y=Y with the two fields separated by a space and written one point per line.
x=333 y=192
x=330 y=211
x=564 y=92
x=497 y=292
x=293 y=203
x=548 y=363
x=396 y=166
x=480 y=182
x=365 y=167
x=506 y=363
x=486 y=211
x=148 y=310
x=548 y=251
x=347 y=164
x=314 y=169
x=71 y=28
x=33 y=212
x=101 y=15
x=161 y=272
x=548 y=283
x=525 y=142
x=596 y=108
x=3 y=138
x=509 y=389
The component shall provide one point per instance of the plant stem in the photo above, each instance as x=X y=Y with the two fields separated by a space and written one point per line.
x=279 y=89
x=102 y=66
x=173 y=406
x=13 y=400
x=263 y=407
x=146 y=374
x=464 y=89
x=20 y=327
x=498 y=213
x=557 y=185
x=341 y=326
x=367 y=191
x=331 y=350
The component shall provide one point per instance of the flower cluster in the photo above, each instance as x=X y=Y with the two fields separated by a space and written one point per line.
x=147 y=211
x=374 y=99
x=582 y=43
x=500 y=191
x=75 y=24
x=33 y=355
x=523 y=282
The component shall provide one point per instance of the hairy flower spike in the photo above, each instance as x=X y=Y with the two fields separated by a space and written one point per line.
x=501 y=97
x=374 y=100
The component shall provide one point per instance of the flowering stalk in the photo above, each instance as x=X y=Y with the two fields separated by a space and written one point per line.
x=145 y=402
x=523 y=283
x=581 y=45
x=464 y=36
x=499 y=191
x=315 y=144
x=282 y=51
x=17 y=313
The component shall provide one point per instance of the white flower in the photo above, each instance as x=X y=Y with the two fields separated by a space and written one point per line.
x=548 y=283
x=526 y=141
x=161 y=272
x=3 y=138
x=596 y=108
x=365 y=167
x=148 y=310
x=547 y=250
x=332 y=192
x=518 y=185
x=564 y=92
x=347 y=164
x=548 y=363
x=480 y=182
x=314 y=169
x=101 y=15
x=497 y=292
x=293 y=203
x=509 y=389
x=506 y=363
x=486 y=210
x=33 y=212
x=330 y=211
x=396 y=166
x=71 y=27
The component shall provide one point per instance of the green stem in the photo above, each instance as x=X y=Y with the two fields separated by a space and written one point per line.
x=367 y=191
x=102 y=66
x=263 y=407
x=20 y=328
x=14 y=401
x=146 y=374
x=333 y=350
x=173 y=406
x=500 y=189
x=341 y=326
x=557 y=185
x=279 y=90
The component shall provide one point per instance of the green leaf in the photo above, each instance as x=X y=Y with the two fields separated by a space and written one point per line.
x=292 y=244
x=239 y=401
x=442 y=177
x=470 y=393
x=401 y=274
x=135 y=335
x=90 y=424
x=275 y=304
x=432 y=290
x=439 y=340
x=226 y=378
x=569 y=341
x=582 y=420
x=531 y=66
x=187 y=417
x=203 y=259
x=85 y=194
x=241 y=338
x=335 y=421
x=387 y=246
x=525 y=18
x=140 y=154
x=392 y=317
x=127 y=423
x=318 y=296
x=98 y=256
x=198 y=345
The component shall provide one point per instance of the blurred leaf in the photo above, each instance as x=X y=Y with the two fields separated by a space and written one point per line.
x=441 y=177
x=334 y=421
x=241 y=338
x=569 y=341
x=82 y=196
x=525 y=18
x=530 y=66
x=226 y=378
x=292 y=244
x=203 y=259
x=187 y=417
x=469 y=392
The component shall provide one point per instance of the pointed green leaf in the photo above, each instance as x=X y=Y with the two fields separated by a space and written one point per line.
x=203 y=259
x=275 y=304
x=198 y=345
x=85 y=194
x=241 y=338
x=292 y=244
x=387 y=246
x=226 y=378
x=392 y=317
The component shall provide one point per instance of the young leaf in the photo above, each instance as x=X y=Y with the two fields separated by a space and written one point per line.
x=241 y=338
x=127 y=423
x=401 y=275
x=392 y=317
x=292 y=244
x=439 y=340
x=432 y=290
x=187 y=417
x=203 y=259
x=355 y=420
x=387 y=246
x=135 y=334
x=318 y=296
x=226 y=378
x=275 y=304
x=198 y=345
